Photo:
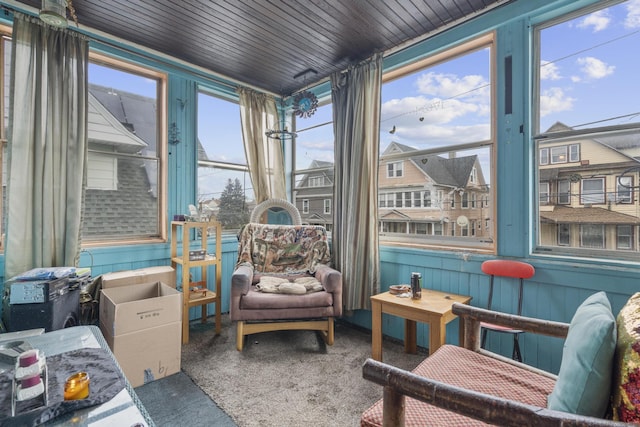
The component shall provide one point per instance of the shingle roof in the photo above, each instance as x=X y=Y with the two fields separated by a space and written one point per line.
x=590 y=215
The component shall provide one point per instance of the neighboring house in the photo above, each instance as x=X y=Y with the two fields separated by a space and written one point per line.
x=432 y=195
x=587 y=192
x=314 y=195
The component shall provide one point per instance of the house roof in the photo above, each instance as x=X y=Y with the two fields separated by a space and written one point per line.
x=590 y=215
x=452 y=172
x=104 y=128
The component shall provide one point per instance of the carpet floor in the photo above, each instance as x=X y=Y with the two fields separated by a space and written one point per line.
x=288 y=378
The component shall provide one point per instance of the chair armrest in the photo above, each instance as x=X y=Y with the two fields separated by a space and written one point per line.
x=329 y=278
x=331 y=281
x=241 y=280
x=399 y=383
x=473 y=316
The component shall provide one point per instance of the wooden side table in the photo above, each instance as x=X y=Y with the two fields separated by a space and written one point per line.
x=434 y=308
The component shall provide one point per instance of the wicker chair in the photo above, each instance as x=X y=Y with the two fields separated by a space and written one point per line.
x=470 y=386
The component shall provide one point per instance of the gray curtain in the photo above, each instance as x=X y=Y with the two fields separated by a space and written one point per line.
x=265 y=158
x=47 y=150
x=356 y=124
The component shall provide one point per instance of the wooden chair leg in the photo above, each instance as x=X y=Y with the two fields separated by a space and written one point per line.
x=240 y=335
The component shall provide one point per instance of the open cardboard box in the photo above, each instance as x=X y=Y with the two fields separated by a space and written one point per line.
x=142 y=325
x=164 y=274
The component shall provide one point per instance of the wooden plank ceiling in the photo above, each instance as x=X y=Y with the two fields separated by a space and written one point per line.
x=265 y=43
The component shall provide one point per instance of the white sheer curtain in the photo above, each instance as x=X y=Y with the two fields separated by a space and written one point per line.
x=47 y=150
x=356 y=99
x=265 y=158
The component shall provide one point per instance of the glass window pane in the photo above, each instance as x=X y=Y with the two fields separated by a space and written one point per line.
x=590 y=78
x=124 y=161
x=224 y=185
x=426 y=117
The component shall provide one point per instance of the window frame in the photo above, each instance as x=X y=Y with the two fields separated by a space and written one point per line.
x=162 y=79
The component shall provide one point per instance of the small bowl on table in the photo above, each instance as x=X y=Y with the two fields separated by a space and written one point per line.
x=399 y=289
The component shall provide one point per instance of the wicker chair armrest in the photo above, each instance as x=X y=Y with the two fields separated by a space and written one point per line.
x=399 y=383
x=473 y=316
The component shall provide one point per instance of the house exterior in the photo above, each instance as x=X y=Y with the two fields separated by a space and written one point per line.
x=432 y=195
x=587 y=192
x=421 y=195
x=314 y=193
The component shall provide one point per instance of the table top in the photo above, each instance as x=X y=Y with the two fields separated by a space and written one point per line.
x=432 y=301
x=124 y=409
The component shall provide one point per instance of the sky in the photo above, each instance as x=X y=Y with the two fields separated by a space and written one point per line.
x=585 y=62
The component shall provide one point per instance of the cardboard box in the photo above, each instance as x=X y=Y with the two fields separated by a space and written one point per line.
x=149 y=354
x=143 y=326
x=164 y=274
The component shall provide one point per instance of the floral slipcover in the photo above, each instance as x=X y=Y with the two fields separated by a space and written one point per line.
x=626 y=375
x=287 y=249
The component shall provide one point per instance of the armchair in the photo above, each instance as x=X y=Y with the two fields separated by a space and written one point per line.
x=283 y=281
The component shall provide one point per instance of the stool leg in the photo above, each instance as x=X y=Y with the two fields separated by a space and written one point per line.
x=516 y=348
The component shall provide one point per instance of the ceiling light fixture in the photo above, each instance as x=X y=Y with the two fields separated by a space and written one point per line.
x=54 y=12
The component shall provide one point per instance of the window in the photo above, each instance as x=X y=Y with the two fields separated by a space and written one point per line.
x=574 y=153
x=316 y=181
x=544 y=156
x=592 y=191
x=624 y=237
x=592 y=236
x=581 y=146
x=394 y=170
x=398 y=200
x=426 y=201
x=544 y=192
x=416 y=199
x=407 y=199
x=624 y=185
x=564 y=192
x=564 y=234
x=305 y=206
x=442 y=111
x=559 y=154
x=224 y=186
x=327 y=206
x=126 y=152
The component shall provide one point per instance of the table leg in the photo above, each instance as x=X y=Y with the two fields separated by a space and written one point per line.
x=376 y=331
x=410 y=336
x=437 y=335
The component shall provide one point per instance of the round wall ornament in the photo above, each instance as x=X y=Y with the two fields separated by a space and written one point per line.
x=305 y=104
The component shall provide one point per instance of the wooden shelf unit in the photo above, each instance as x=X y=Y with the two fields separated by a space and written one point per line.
x=194 y=299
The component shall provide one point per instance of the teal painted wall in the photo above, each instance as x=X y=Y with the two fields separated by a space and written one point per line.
x=560 y=284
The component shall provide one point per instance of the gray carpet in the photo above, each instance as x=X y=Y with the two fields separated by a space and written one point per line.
x=288 y=378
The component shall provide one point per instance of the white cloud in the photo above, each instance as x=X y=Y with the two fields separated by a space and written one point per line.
x=406 y=113
x=549 y=71
x=450 y=86
x=597 y=21
x=633 y=14
x=553 y=100
x=594 y=68
x=434 y=136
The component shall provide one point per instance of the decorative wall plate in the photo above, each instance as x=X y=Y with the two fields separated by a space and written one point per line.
x=305 y=104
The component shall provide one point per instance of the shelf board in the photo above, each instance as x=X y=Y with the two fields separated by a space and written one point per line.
x=208 y=260
x=195 y=300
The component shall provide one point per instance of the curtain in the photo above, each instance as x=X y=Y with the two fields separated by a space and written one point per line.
x=47 y=146
x=356 y=99
x=258 y=114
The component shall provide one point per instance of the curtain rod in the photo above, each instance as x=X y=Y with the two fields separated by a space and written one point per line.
x=110 y=40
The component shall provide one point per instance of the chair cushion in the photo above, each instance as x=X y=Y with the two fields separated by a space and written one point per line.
x=472 y=371
x=584 y=380
x=626 y=369
x=283 y=248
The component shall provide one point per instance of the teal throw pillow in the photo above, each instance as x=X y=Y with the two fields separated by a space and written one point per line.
x=584 y=379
